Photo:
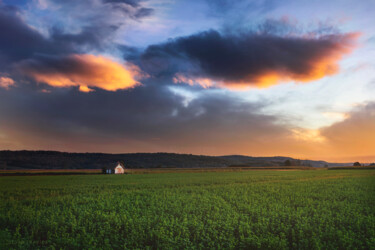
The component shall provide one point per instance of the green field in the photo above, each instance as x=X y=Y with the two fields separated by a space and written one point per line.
x=243 y=209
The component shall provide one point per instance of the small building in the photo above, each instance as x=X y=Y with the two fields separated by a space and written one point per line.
x=118 y=169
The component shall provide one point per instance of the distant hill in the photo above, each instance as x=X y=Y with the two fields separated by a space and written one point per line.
x=60 y=160
x=242 y=160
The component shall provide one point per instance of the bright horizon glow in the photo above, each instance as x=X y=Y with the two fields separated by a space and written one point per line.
x=256 y=78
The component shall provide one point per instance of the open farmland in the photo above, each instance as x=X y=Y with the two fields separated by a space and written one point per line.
x=243 y=209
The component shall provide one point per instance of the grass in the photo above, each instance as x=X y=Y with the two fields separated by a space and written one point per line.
x=239 y=209
x=20 y=172
x=353 y=168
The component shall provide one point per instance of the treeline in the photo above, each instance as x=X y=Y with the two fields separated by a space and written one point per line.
x=60 y=160
x=357 y=164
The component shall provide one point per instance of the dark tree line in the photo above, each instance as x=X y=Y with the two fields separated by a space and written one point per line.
x=60 y=160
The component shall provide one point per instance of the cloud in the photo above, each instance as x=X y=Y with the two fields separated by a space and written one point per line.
x=354 y=136
x=251 y=59
x=92 y=37
x=6 y=82
x=14 y=48
x=204 y=82
x=86 y=71
x=88 y=31
x=134 y=3
x=64 y=52
x=18 y=40
x=132 y=9
x=144 y=12
x=98 y=26
x=234 y=11
x=152 y=118
x=130 y=121
x=60 y=58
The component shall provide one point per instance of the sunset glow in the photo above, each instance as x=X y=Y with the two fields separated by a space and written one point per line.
x=257 y=78
x=187 y=124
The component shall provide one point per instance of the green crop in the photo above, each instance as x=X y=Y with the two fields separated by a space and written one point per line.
x=248 y=209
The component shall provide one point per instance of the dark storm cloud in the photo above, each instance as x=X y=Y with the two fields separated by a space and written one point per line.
x=248 y=57
x=22 y=45
x=130 y=53
x=18 y=41
x=150 y=114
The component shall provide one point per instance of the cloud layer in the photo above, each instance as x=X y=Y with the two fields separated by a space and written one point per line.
x=272 y=54
x=354 y=135
x=60 y=59
x=153 y=119
x=144 y=98
x=252 y=59
x=85 y=71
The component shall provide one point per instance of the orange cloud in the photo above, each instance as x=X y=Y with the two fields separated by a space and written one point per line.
x=324 y=63
x=6 y=82
x=85 y=71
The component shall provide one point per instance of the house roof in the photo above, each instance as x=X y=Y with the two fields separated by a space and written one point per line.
x=119 y=163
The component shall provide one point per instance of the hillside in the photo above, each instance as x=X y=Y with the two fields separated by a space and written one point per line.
x=61 y=160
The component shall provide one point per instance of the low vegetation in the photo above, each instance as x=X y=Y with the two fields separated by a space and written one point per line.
x=244 y=209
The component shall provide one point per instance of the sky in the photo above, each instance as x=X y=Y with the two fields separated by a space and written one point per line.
x=210 y=77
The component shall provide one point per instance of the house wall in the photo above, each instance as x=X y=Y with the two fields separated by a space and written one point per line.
x=119 y=170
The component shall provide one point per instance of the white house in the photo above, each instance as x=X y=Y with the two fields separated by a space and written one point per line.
x=119 y=169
